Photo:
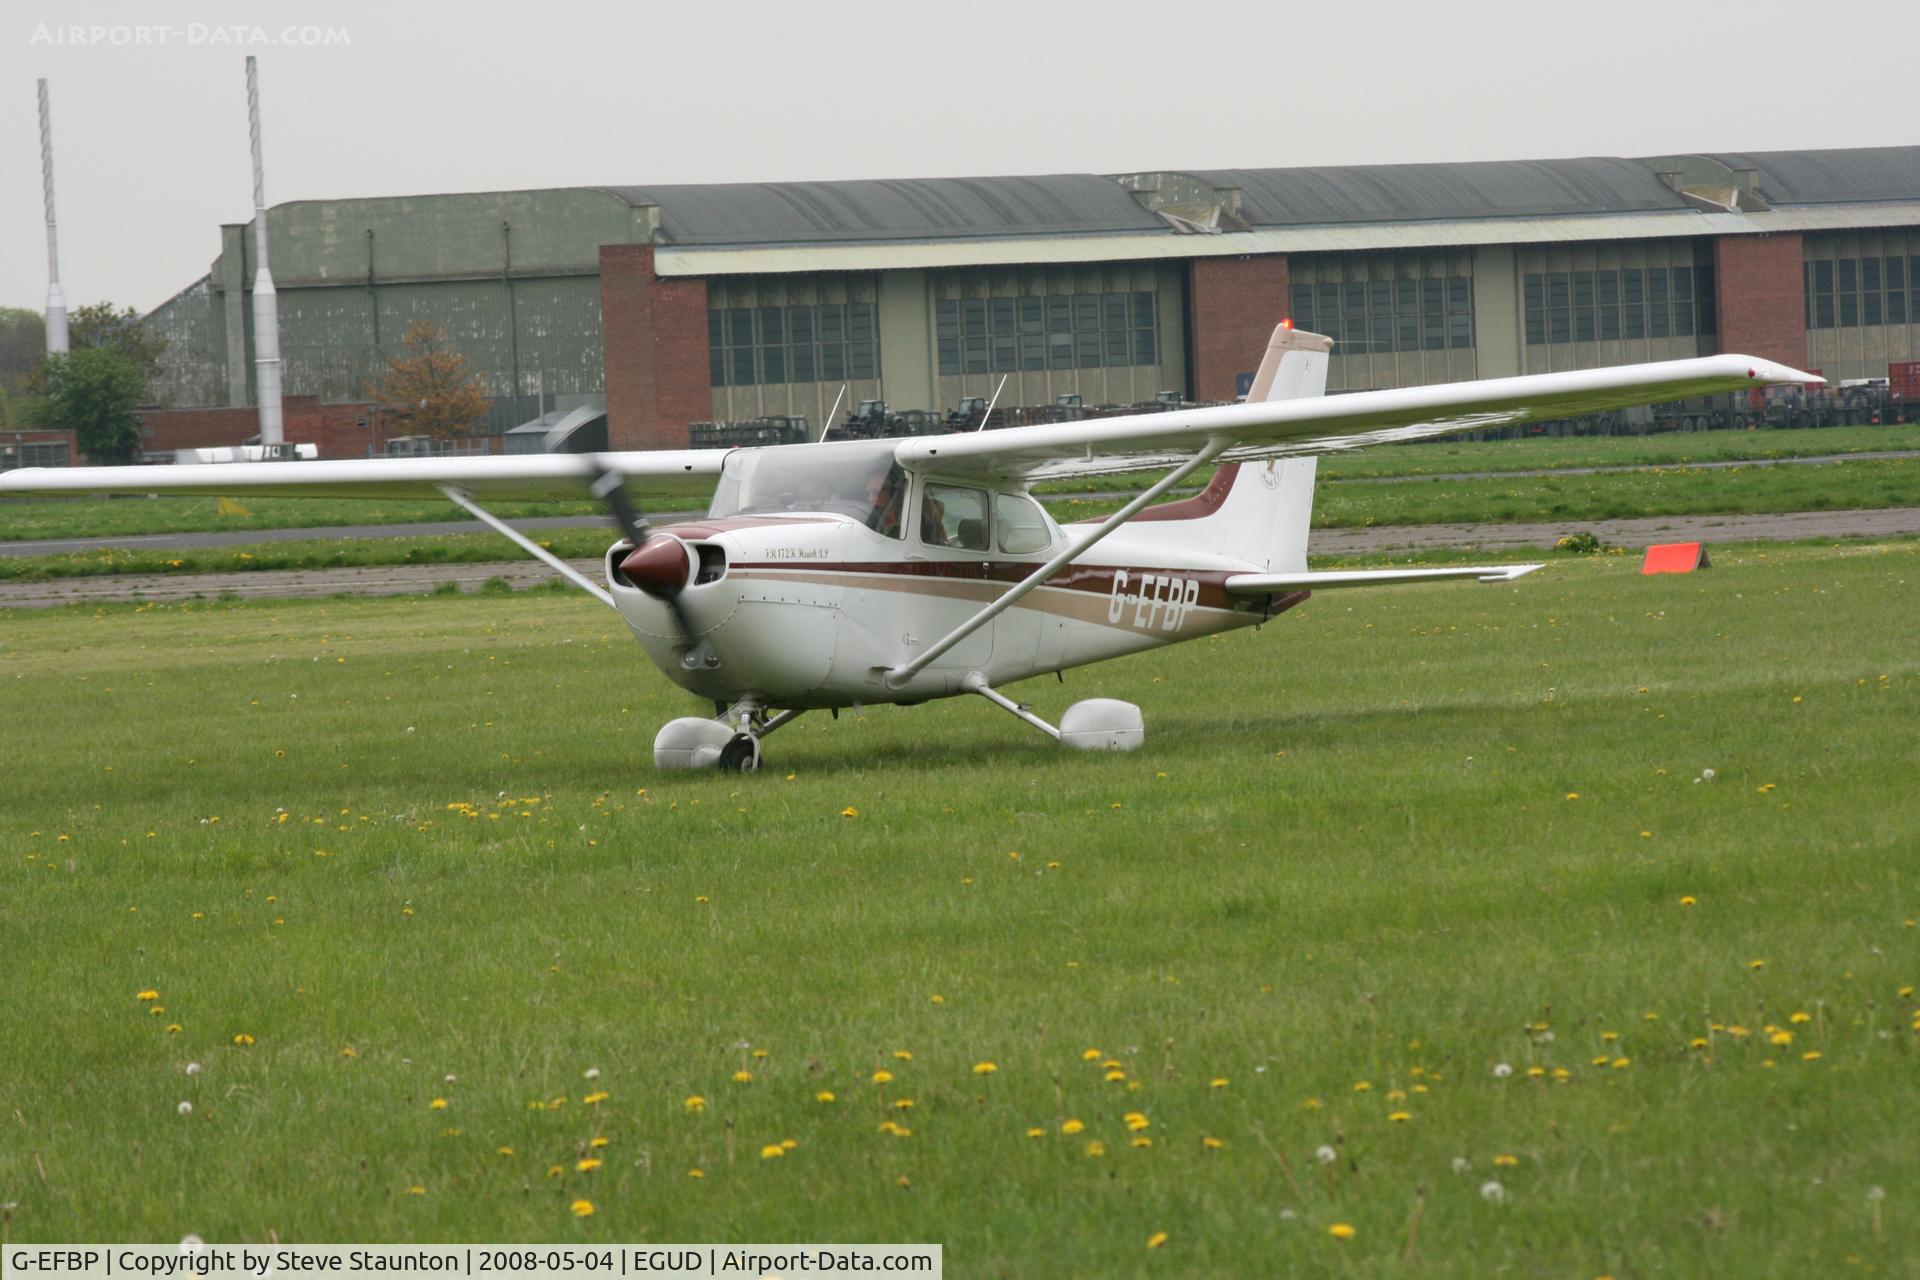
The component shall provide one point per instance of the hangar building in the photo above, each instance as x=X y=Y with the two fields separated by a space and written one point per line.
x=677 y=304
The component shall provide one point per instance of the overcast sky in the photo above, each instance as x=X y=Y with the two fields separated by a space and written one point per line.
x=150 y=131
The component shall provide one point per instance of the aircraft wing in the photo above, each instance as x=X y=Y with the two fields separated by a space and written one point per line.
x=688 y=473
x=1283 y=428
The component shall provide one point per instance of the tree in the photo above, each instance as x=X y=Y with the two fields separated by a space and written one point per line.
x=23 y=342
x=92 y=393
x=99 y=325
x=426 y=389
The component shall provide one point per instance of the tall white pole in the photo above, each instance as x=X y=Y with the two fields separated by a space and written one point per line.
x=56 y=301
x=266 y=306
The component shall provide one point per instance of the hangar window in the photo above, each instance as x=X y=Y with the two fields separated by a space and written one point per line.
x=1378 y=313
x=1850 y=292
x=823 y=342
x=1633 y=302
x=1053 y=331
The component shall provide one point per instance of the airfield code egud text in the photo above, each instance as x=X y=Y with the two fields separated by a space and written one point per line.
x=263 y=1262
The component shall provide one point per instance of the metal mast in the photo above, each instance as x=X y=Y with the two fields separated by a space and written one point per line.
x=56 y=301
x=266 y=306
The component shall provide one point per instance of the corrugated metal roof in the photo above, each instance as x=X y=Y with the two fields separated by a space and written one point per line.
x=769 y=213
x=1427 y=192
x=1849 y=176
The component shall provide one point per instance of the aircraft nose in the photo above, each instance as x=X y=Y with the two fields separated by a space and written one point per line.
x=661 y=566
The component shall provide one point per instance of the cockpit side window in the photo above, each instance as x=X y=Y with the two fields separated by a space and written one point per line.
x=1020 y=527
x=954 y=516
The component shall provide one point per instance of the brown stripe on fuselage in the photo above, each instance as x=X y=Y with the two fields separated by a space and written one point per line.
x=1081 y=591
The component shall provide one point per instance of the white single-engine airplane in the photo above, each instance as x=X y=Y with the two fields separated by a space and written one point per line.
x=834 y=575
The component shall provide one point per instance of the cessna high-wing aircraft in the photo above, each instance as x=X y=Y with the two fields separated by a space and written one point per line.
x=834 y=575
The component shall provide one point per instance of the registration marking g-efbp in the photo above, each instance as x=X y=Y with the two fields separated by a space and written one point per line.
x=1161 y=602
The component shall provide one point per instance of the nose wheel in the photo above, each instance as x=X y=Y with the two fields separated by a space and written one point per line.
x=741 y=754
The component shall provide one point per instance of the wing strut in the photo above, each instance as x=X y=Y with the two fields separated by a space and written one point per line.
x=1208 y=452
x=459 y=498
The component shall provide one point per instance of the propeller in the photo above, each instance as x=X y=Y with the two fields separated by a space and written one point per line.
x=659 y=564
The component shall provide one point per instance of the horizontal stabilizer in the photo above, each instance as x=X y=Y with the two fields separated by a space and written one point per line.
x=1262 y=583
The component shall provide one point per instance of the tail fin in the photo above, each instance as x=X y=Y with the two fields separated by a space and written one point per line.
x=1257 y=512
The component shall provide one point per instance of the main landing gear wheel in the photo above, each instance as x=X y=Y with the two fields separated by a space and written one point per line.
x=741 y=753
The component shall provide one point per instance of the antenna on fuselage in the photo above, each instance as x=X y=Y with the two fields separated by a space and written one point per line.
x=996 y=400
x=828 y=424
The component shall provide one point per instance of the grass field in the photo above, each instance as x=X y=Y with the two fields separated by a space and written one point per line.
x=1422 y=877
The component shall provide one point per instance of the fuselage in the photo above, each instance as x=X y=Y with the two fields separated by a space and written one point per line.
x=813 y=609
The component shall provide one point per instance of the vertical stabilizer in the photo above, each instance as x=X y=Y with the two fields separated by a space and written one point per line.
x=1293 y=368
x=1256 y=512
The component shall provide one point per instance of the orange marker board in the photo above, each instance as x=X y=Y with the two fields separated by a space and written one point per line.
x=1676 y=557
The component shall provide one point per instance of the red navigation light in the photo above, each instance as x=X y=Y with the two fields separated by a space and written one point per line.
x=1287 y=323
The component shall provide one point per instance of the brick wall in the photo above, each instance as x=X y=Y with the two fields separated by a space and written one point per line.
x=339 y=430
x=654 y=348
x=1760 y=297
x=1235 y=302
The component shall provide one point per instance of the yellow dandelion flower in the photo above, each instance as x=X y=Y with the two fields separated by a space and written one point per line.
x=1157 y=1239
x=504 y=1151
x=1598 y=1060
x=1573 y=795
x=904 y=1055
x=1400 y=1117
x=1137 y=1121
x=695 y=1102
x=759 y=1053
x=243 y=1040
x=1687 y=900
x=936 y=998
x=883 y=1076
x=581 y=1208
x=772 y=1151
x=789 y=1143
x=174 y=1028
x=146 y=995
x=1506 y=1161
x=1361 y=1086
x=1534 y=1073
x=1036 y=1132
x=597 y=1142
x=1800 y=1017
x=1609 y=1036
x=1091 y=1055
x=598 y=1096
x=1905 y=992
x=1756 y=964
x=1218 y=1082
x=416 y=1190
x=849 y=812
x=1341 y=1231
x=903 y=1104
x=1396 y=1095
x=556 y=1170
x=438 y=1104
x=1737 y=1031
x=696 y=1173
x=1112 y=1064
x=984 y=1068
x=1780 y=1038
x=1115 y=1076
x=1562 y=1074
x=1698 y=1042
x=825 y=1095
x=1621 y=1062
x=1811 y=1055
x=1071 y=1127
x=587 y=1165
x=742 y=1076
x=1096 y=1148
x=1142 y=1140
